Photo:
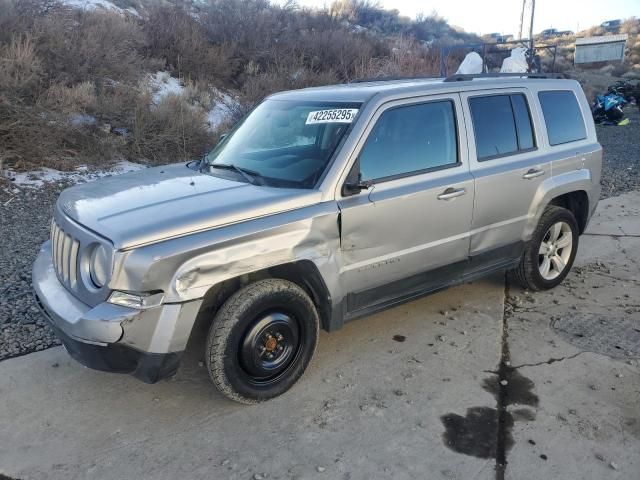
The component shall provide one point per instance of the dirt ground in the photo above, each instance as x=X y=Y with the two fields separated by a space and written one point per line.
x=480 y=381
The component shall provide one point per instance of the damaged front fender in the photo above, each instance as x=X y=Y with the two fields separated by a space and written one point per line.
x=186 y=268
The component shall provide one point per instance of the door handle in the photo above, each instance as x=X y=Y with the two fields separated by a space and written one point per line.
x=533 y=173
x=451 y=192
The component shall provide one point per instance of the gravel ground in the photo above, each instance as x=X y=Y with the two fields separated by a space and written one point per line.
x=24 y=223
x=621 y=168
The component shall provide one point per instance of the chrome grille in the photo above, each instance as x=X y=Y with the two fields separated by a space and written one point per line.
x=64 y=249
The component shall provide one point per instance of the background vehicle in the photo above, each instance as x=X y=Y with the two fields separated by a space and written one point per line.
x=554 y=32
x=322 y=206
x=611 y=25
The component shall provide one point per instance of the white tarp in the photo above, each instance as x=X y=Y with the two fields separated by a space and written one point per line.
x=516 y=63
x=472 y=63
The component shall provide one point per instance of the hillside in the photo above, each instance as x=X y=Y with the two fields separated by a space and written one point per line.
x=97 y=80
x=100 y=81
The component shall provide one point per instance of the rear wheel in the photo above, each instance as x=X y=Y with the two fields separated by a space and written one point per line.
x=262 y=340
x=549 y=255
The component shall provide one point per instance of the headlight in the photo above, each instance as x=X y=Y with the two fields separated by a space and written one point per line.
x=99 y=266
x=136 y=300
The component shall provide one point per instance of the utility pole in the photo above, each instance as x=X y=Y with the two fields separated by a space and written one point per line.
x=531 y=52
x=524 y=4
x=533 y=10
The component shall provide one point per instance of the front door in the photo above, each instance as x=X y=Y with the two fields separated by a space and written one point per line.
x=417 y=214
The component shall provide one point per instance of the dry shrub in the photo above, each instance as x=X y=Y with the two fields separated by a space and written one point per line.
x=90 y=45
x=20 y=67
x=116 y=104
x=80 y=98
x=19 y=126
x=630 y=26
x=408 y=59
x=169 y=132
x=259 y=86
x=174 y=35
x=619 y=70
x=33 y=137
x=20 y=16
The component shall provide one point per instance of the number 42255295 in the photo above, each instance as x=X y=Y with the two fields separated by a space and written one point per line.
x=334 y=115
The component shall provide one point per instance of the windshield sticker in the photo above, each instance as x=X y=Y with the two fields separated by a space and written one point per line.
x=334 y=115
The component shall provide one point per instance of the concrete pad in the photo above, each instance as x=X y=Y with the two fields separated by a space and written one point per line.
x=617 y=216
x=369 y=407
x=587 y=421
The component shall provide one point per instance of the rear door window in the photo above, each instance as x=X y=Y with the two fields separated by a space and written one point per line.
x=411 y=139
x=562 y=116
x=502 y=125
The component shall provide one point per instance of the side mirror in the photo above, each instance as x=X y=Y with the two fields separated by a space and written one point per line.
x=355 y=187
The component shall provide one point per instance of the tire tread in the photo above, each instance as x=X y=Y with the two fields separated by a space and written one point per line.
x=523 y=273
x=225 y=320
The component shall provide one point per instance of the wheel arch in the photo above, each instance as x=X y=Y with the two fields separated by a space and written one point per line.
x=303 y=273
x=572 y=190
x=577 y=202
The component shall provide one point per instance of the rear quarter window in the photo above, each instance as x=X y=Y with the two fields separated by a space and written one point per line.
x=562 y=116
x=502 y=125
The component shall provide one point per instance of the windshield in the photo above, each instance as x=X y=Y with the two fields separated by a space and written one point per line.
x=283 y=143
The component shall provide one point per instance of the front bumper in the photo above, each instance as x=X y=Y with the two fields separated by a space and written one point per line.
x=146 y=343
x=117 y=358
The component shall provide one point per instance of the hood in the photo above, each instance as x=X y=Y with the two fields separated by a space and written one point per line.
x=163 y=202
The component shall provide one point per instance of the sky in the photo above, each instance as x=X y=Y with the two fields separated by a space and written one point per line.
x=503 y=16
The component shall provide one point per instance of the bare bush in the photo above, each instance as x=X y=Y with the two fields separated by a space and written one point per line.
x=20 y=67
x=259 y=86
x=174 y=35
x=408 y=58
x=90 y=45
x=630 y=26
x=80 y=98
x=171 y=131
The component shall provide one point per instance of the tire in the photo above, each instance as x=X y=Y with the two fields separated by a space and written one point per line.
x=262 y=340
x=532 y=272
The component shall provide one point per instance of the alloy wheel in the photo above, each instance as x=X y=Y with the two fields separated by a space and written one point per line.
x=555 y=250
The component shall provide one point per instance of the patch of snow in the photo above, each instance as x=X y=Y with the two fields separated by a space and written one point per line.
x=222 y=109
x=103 y=4
x=82 y=174
x=80 y=119
x=163 y=84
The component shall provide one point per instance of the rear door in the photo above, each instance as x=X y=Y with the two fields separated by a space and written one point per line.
x=507 y=167
x=417 y=214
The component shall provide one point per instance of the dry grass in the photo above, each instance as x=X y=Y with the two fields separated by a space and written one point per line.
x=20 y=67
x=79 y=98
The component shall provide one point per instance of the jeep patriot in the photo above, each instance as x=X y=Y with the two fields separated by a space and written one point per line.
x=320 y=206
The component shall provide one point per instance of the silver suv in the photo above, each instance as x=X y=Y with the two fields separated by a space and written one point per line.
x=321 y=206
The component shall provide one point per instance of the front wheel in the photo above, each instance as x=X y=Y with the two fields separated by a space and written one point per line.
x=262 y=340
x=549 y=255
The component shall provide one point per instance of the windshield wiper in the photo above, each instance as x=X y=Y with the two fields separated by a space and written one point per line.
x=250 y=175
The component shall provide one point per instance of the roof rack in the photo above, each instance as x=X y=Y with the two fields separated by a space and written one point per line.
x=392 y=79
x=462 y=77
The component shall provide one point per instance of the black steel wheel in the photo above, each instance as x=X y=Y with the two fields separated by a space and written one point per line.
x=269 y=347
x=262 y=340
